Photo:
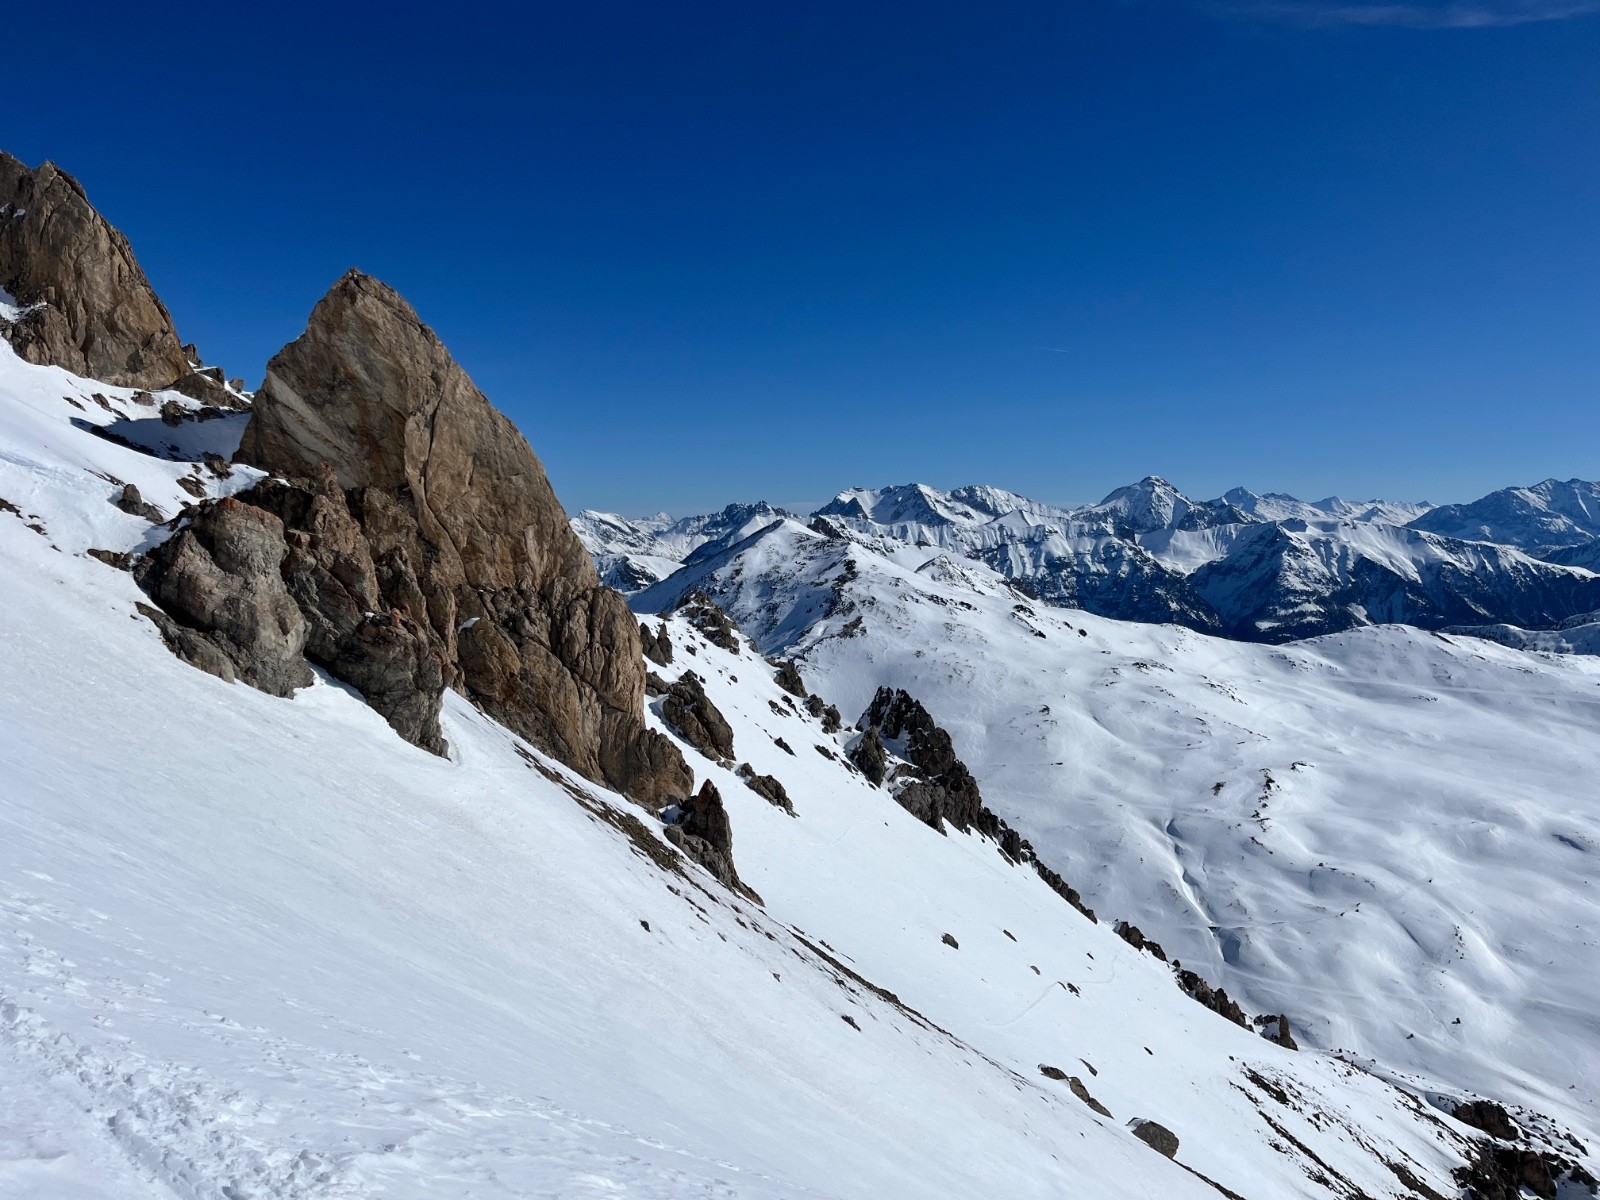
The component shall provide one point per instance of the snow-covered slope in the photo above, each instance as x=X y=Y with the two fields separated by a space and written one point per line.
x=1275 y=506
x=632 y=554
x=254 y=947
x=1576 y=635
x=1390 y=834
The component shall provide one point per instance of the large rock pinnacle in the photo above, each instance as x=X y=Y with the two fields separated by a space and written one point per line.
x=407 y=491
x=84 y=303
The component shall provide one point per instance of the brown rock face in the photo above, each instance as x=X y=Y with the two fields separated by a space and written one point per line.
x=689 y=710
x=96 y=313
x=219 y=581
x=410 y=495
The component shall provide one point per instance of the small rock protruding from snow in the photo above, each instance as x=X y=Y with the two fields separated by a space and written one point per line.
x=1155 y=1135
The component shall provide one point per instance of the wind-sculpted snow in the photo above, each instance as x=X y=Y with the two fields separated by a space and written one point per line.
x=1388 y=834
x=258 y=947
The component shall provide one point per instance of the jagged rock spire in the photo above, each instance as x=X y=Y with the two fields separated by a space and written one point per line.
x=85 y=303
x=452 y=524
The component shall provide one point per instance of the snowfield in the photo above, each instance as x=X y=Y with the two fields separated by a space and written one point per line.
x=253 y=947
x=1389 y=834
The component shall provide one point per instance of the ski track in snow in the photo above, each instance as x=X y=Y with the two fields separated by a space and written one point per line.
x=183 y=1134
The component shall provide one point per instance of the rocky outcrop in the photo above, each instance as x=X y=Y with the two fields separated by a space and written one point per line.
x=206 y=385
x=1513 y=1164
x=938 y=788
x=704 y=833
x=827 y=713
x=1216 y=999
x=768 y=787
x=707 y=616
x=1275 y=1028
x=1135 y=937
x=788 y=678
x=428 y=548
x=130 y=501
x=1488 y=1116
x=398 y=663
x=1082 y=1093
x=869 y=755
x=85 y=303
x=657 y=646
x=934 y=785
x=699 y=722
x=219 y=582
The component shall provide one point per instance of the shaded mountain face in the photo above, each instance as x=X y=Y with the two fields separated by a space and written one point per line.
x=72 y=294
x=1266 y=568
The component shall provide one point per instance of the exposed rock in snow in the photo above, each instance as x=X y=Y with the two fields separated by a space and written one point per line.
x=690 y=713
x=705 y=834
x=258 y=946
x=656 y=644
x=453 y=519
x=1157 y=1136
x=79 y=298
x=221 y=577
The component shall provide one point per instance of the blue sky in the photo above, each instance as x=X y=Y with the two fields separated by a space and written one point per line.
x=705 y=252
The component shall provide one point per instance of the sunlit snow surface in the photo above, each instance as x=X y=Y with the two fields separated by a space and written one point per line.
x=1381 y=832
x=253 y=947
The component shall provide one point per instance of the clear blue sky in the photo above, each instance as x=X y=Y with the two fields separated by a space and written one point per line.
x=713 y=251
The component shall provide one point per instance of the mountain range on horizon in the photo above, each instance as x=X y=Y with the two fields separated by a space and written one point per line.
x=1248 y=566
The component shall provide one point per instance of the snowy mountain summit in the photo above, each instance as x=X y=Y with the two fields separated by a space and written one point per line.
x=357 y=840
x=1266 y=568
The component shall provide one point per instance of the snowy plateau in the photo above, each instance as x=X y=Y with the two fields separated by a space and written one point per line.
x=264 y=946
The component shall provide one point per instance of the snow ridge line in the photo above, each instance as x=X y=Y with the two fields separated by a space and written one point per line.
x=172 y=1124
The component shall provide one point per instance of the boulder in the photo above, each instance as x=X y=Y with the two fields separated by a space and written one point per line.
x=135 y=505
x=767 y=787
x=220 y=580
x=690 y=712
x=1157 y=1137
x=87 y=305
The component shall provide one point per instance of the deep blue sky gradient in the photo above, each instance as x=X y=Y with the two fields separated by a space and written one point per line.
x=713 y=251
